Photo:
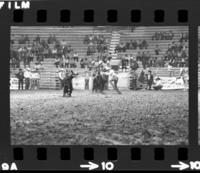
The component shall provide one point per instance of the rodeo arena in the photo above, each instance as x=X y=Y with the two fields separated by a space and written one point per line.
x=99 y=85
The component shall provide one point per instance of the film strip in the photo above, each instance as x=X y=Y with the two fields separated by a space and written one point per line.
x=133 y=101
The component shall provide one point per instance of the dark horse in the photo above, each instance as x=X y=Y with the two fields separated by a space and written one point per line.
x=99 y=82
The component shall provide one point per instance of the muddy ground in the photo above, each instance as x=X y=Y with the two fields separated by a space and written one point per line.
x=199 y=114
x=133 y=118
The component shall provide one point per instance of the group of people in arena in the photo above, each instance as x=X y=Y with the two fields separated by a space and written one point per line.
x=100 y=76
x=29 y=78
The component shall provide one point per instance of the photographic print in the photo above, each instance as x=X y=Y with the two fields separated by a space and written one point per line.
x=99 y=85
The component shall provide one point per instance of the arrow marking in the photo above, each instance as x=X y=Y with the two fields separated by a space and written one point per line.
x=90 y=166
x=181 y=166
x=1 y=5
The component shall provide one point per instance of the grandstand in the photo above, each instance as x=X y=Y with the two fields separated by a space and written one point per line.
x=75 y=37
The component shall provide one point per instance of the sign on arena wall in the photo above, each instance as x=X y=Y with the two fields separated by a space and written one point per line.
x=172 y=83
x=79 y=83
x=14 y=84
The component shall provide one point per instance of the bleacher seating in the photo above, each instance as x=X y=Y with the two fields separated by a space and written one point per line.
x=145 y=33
x=72 y=35
x=75 y=36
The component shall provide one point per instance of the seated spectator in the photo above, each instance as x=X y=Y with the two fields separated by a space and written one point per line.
x=37 y=39
x=121 y=47
x=63 y=42
x=26 y=39
x=157 y=50
x=129 y=45
x=163 y=35
x=86 y=40
x=134 y=65
x=54 y=39
x=184 y=37
x=50 y=39
x=38 y=66
x=144 y=44
x=139 y=56
x=91 y=50
x=157 y=85
x=82 y=63
x=57 y=62
x=21 y=40
x=171 y=35
x=139 y=43
x=91 y=38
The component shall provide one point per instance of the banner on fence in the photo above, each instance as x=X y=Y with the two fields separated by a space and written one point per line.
x=172 y=83
x=14 y=83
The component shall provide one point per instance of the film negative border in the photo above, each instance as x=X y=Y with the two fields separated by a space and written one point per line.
x=111 y=16
x=122 y=157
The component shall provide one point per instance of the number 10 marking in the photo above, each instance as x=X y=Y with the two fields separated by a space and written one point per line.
x=107 y=166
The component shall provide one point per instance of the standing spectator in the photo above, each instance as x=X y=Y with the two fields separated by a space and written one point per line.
x=61 y=75
x=34 y=79
x=141 y=77
x=149 y=80
x=170 y=69
x=20 y=76
x=75 y=56
x=134 y=80
x=87 y=81
x=63 y=61
x=123 y=62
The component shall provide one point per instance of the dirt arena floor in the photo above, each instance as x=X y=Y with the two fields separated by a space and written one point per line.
x=199 y=114
x=133 y=118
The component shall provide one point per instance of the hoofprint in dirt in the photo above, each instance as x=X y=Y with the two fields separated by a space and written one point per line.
x=130 y=118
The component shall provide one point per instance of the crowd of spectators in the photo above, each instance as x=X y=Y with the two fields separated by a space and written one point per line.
x=136 y=44
x=96 y=43
x=163 y=35
x=176 y=56
x=65 y=57
x=184 y=37
x=39 y=49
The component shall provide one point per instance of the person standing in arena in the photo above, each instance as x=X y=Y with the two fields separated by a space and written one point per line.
x=149 y=79
x=114 y=80
x=67 y=81
x=184 y=75
x=27 y=75
x=87 y=81
x=20 y=76
x=61 y=75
